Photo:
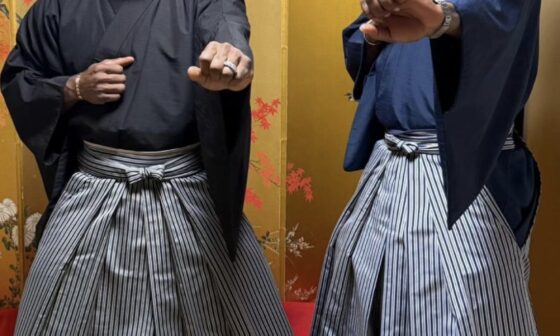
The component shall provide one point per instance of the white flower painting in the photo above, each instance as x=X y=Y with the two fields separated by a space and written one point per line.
x=8 y=211
x=296 y=246
x=301 y=294
x=30 y=228
x=8 y=223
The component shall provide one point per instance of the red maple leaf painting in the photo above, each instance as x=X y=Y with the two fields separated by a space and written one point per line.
x=296 y=181
x=5 y=45
x=253 y=199
x=264 y=111
x=254 y=137
x=260 y=163
x=266 y=170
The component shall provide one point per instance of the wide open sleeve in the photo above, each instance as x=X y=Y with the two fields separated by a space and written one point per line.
x=495 y=69
x=33 y=82
x=224 y=118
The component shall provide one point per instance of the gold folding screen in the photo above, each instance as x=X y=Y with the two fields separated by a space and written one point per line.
x=319 y=117
x=301 y=114
x=18 y=177
x=543 y=130
x=266 y=190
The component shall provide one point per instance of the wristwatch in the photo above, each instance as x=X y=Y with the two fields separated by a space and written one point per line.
x=448 y=11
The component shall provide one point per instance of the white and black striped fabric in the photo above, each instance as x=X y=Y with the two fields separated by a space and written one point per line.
x=134 y=247
x=394 y=268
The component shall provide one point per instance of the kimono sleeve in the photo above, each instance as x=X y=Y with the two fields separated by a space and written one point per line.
x=33 y=82
x=224 y=118
x=224 y=21
x=354 y=55
x=497 y=65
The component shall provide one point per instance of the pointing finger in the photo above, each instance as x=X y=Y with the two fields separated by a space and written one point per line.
x=122 y=61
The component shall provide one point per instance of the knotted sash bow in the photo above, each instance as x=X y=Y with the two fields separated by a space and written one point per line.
x=138 y=174
x=408 y=148
x=413 y=143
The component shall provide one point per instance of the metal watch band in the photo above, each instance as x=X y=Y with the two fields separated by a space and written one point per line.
x=448 y=18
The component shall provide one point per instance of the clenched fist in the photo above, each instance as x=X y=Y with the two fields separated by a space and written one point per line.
x=222 y=67
x=401 y=20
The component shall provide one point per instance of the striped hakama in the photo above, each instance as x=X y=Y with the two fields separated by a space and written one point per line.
x=134 y=247
x=393 y=267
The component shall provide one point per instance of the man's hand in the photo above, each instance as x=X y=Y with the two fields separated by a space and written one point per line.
x=222 y=67
x=104 y=82
x=401 y=20
x=381 y=8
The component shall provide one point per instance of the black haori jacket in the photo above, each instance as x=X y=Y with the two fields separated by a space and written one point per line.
x=59 y=38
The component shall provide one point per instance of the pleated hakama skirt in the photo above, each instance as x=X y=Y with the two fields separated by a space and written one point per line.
x=394 y=268
x=134 y=247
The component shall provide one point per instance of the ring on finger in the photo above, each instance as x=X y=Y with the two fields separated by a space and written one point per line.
x=371 y=43
x=230 y=65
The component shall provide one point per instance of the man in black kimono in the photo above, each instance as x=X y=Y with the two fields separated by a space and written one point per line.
x=145 y=168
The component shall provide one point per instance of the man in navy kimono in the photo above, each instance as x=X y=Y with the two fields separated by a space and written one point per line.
x=138 y=114
x=436 y=239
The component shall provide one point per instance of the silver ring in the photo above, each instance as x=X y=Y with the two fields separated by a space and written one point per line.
x=371 y=43
x=230 y=65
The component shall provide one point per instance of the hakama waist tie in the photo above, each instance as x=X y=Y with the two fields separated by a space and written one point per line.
x=412 y=143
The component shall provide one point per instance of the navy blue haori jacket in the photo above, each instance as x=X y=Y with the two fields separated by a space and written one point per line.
x=472 y=90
